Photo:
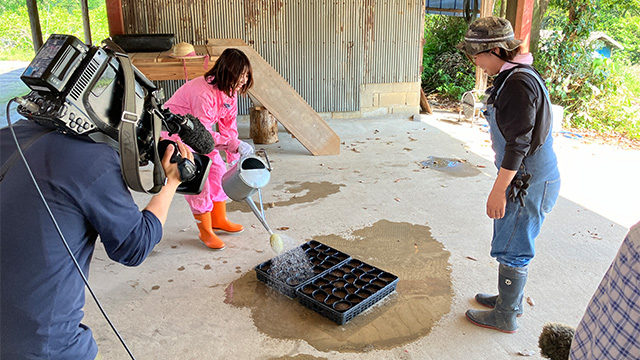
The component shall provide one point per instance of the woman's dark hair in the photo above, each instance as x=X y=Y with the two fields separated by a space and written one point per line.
x=228 y=69
x=509 y=55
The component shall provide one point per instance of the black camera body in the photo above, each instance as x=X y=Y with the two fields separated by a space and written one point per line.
x=80 y=89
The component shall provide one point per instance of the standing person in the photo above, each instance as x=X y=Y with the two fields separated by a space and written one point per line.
x=41 y=292
x=610 y=327
x=213 y=98
x=528 y=182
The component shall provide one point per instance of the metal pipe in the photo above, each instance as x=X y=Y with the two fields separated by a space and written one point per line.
x=34 y=21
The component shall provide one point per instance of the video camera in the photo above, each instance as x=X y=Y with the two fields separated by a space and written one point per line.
x=96 y=92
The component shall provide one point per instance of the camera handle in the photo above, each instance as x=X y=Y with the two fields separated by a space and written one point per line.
x=127 y=131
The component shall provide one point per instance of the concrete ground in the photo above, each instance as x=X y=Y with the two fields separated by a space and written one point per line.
x=187 y=302
x=376 y=202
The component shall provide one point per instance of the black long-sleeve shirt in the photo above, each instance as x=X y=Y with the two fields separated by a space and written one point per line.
x=522 y=113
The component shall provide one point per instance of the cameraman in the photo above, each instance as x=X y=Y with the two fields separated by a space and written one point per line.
x=42 y=293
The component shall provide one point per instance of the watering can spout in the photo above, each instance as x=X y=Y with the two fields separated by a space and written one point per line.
x=258 y=214
x=246 y=178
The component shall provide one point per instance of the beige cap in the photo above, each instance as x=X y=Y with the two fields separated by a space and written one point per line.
x=184 y=50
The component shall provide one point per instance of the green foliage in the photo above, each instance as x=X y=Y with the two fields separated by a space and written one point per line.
x=625 y=31
x=445 y=69
x=56 y=17
x=592 y=91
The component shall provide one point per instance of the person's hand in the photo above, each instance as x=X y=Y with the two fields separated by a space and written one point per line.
x=171 y=169
x=496 y=204
x=244 y=149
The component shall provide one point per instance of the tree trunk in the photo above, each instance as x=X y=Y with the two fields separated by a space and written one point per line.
x=540 y=8
x=263 y=127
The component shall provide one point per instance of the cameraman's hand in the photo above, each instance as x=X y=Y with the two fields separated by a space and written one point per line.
x=171 y=169
x=244 y=149
x=159 y=203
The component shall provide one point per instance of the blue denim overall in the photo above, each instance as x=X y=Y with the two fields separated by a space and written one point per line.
x=514 y=235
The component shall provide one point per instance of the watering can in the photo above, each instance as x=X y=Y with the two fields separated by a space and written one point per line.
x=245 y=178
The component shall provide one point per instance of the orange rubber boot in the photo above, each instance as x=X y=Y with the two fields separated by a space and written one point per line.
x=206 y=233
x=219 y=219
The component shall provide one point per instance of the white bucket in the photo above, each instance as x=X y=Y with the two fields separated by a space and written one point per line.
x=558 y=114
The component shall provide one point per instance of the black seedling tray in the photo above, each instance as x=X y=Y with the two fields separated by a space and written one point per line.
x=287 y=272
x=346 y=290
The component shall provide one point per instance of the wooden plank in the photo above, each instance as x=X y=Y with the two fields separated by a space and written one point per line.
x=146 y=57
x=283 y=101
x=170 y=71
x=424 y=103
x=161 y=66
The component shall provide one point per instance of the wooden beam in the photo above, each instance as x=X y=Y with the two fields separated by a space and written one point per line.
x=114 y=17
x=522 y=25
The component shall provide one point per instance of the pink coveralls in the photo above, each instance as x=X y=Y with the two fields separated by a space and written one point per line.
x=211 y=106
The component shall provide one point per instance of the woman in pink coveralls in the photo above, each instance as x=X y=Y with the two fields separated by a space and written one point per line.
x=213 y=98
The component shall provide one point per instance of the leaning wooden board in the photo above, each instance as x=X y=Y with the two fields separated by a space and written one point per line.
x=273 y=92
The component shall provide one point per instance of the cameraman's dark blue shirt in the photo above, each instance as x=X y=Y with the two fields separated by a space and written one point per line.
x=42 y=294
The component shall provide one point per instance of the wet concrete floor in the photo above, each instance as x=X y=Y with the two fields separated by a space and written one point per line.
x=378 y=203
x=422 y=296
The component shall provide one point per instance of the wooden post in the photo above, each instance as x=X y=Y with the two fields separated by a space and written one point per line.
x=85 y=21
x=115 y=17
x=522 y=26
x=34 y=21
x=481 y=76
x=263 y=127
x=424 y=103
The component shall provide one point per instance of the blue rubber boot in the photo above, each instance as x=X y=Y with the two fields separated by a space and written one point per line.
x=511 y=281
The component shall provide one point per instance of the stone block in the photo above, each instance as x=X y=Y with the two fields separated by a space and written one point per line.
x=393 y=99
x=346 y=115
x=374 y=111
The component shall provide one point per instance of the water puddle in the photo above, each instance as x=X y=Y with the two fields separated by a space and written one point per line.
x=310 y=192
x=455 y=167
x=299 y=357
x=423 y=295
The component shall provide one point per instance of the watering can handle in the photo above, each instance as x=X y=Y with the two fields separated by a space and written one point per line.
x=266 y=157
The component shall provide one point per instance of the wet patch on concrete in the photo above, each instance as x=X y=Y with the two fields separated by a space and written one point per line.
x=305 y=192
x=455 y=167
x=299 y=357
x=423 y=295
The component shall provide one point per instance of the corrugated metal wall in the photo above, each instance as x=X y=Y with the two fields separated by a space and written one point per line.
x=324 y=49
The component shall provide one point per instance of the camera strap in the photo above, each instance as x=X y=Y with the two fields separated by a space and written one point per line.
x=127 y=132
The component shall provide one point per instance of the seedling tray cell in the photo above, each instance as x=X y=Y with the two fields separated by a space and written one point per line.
x=346 y=290
x=301 y=265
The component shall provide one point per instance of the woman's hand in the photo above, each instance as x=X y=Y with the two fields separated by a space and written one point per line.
x=245 y=149
x=496 y=204
x=497 y=201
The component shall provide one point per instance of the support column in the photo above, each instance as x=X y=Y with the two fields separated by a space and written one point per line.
x=522 y=26
x=114 y=17
x=520 y=14
x=481 y=76
x=85 y=21
x=34 y=21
